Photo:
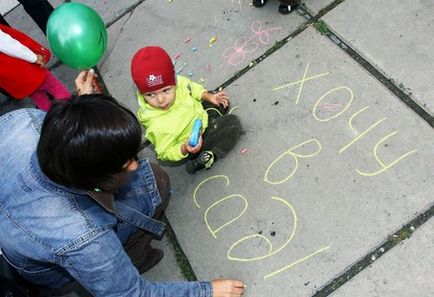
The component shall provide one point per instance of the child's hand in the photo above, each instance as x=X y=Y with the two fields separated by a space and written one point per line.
x=40 y=60
x=219 y=98
x=186 y=148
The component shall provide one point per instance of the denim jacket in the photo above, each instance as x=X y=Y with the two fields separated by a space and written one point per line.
x=51 y=234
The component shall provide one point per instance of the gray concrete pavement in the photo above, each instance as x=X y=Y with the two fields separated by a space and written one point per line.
x=397 y=273
x=397 y=39
x=326 y=206
x=331 y=163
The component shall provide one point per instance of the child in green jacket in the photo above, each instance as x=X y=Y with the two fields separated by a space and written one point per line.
x=168 y=107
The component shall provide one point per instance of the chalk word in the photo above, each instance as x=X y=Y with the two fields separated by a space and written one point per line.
x=341 y=110
x=236 y=54
x=271 y=250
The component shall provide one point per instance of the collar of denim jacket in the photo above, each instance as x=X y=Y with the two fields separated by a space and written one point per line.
x=44 y=181
x=106 y=200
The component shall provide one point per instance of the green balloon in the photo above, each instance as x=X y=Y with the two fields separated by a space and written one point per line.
x=77 y=35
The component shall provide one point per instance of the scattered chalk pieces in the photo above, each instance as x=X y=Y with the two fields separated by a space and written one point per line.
x=212 y=40
x=251 y=64
x=194 y=49
x=220 y=89
x=244 y=151
x=187 y=39
x=201 y=80
x=190 y=74
x=179 y=70
x=178 y=55
x=208 y=66
x=185 y=64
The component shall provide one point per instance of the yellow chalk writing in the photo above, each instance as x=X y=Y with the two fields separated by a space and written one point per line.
x=295 y=263
x=356 y=114
x=315 y=107
x=205 y=181
x=295 y=156
x=301 y=82
x=382 y=164
x=350 y=122
x=270 y=251
x=213 y=232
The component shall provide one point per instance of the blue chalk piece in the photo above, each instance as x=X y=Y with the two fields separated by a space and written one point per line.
x=190 y=74
x=185 y=64
x=195 y=133
x=194 y=49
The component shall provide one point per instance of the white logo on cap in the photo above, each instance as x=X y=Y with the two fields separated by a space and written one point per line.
x=154 y=80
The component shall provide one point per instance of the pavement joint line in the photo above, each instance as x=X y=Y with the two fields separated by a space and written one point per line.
x=278 y=44
x=254 y=62
x=124 y=12
x=391 y=241
x=181 y=259
x=108 y=24
x=389 y=83
x=115 y=41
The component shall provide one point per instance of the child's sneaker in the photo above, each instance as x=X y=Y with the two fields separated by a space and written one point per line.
x=203 y=161
x=259 y=3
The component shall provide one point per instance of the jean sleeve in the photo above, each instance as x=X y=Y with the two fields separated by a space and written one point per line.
x=104 y=269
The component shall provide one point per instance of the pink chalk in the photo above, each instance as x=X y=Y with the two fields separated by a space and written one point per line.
x=187 y=39
x=177 y=56
x=244 y=151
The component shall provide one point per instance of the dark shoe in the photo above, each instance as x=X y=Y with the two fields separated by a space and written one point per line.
x=259 y=3
x=152 y=258
x=203 y=161
x=286 y=9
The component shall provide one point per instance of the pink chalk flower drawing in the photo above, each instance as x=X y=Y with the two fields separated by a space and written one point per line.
x=236 y=54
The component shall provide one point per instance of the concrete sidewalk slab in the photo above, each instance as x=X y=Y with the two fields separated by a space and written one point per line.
x=242 y=33
x=407 y=270
x=166 y=270
x=397 y=38
x=293 y=212
x=7 y=5
x=315 y=6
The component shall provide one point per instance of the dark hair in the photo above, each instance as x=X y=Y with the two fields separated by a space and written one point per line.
x=85 y=141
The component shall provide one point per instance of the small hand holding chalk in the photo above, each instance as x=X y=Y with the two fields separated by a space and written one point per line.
x=227 y=288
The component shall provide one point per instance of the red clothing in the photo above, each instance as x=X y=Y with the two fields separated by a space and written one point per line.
x=18 y=77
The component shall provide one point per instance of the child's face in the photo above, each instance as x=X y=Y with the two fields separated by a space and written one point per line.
x=162 y=98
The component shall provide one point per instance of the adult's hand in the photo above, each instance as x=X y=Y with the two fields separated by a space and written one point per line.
x=84 y=82
x=227 y=288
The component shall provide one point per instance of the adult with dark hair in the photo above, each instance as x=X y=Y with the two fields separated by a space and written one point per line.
x=77 y=204
x=3 y=21
x=38 y=10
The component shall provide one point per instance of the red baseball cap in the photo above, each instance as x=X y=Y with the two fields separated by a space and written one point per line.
x=152 y=69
